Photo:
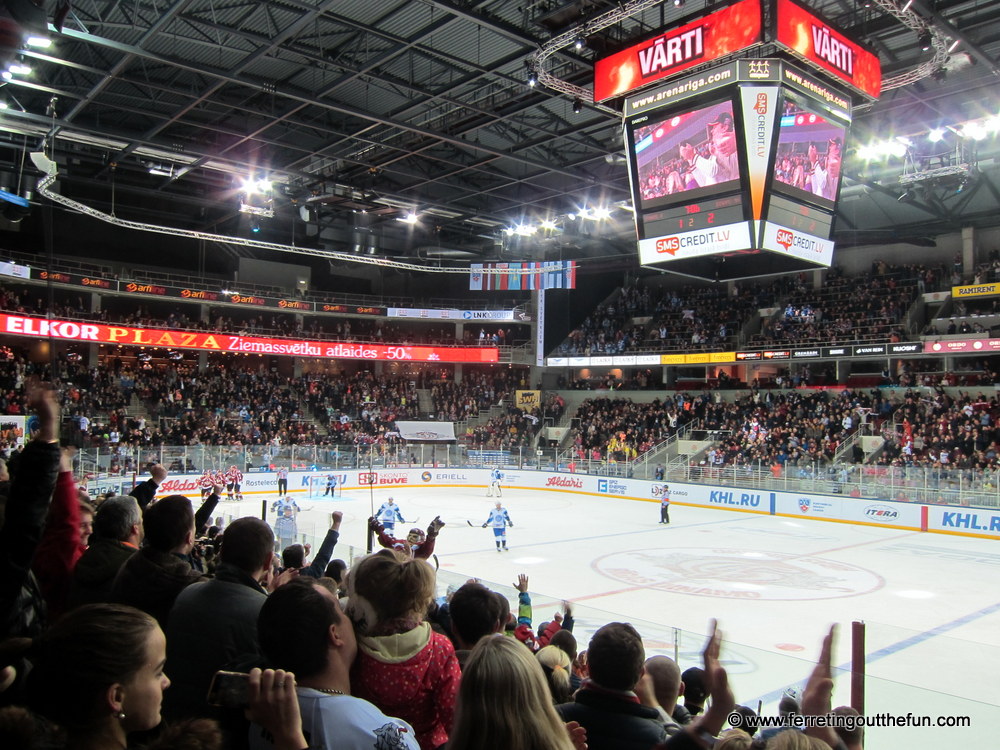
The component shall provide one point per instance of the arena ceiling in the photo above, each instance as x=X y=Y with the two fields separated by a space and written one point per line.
x=365 y=110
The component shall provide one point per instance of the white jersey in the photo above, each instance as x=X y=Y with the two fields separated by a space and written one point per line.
x=343 y=722
x=499 y=518
x=389 y=514
x=495 y=476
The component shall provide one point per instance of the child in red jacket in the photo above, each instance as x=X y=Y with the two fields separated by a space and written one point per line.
x=403 y=667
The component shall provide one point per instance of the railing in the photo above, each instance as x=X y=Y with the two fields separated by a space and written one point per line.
x=964 y=487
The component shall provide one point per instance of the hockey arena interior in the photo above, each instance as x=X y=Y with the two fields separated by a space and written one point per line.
x=469 y=374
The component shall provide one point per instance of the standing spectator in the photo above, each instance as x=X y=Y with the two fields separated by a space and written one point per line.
x=302 y=629
x=214 y=623
x=116 y=537
x=607 y=705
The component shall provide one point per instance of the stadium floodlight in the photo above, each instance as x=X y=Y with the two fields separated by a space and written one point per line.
x=41 y=42
x=601 y=213
x=548 y=224
x=410 y=218
x=937 y=134
x=19 y=69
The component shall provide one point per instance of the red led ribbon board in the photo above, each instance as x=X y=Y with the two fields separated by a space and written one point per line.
x=721 y=33
x=817 y=43
x=100 y=333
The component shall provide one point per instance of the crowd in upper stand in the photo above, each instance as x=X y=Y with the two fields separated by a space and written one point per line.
x=867 y=307
x=111 y=635
x=124 y=311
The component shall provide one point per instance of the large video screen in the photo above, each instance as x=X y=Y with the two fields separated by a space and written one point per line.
x=810 y=148
x=685 y=155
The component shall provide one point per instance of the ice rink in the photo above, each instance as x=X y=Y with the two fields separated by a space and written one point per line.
x=930 y=602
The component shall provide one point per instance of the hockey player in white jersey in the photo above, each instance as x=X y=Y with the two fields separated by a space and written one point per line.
x=495 y=476
x=499 y=519
x=388 y=514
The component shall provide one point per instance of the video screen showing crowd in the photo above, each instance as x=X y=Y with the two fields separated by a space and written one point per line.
x=687 y=151
x=809 y=154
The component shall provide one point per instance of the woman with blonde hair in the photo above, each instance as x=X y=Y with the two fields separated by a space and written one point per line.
x=403 y=667
x=503 y=701
x=556 y=666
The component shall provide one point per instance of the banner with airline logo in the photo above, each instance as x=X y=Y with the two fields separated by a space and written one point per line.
x=711 y=37
x=759 y=113
x=722 y=239
x=798 y=244
x=822 y=46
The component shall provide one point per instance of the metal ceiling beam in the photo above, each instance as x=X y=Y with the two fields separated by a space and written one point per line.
x=936 y=19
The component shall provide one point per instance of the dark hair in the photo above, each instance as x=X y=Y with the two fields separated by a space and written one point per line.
x=247 y=543
x=616 y=656
x=168 y=522
x=694 y=686
x=565 y=640
x=751 y=722
x=115 y=518
x=850 y=736
x=85 y=652
x=475 y=612
x=335 y=570
x=293 y=625
x=293 y=556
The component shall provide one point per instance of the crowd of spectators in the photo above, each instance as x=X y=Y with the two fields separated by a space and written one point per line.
x=114 y=636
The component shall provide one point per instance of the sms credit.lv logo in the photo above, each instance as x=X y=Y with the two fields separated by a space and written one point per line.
x=668 y=245
x=785 y=238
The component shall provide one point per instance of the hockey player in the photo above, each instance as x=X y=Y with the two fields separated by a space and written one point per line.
x=388 y=514
x=417 y=543
x=499 y=519
x=234 y=483
x=279 y=505
x=331 y=485
x=205 y=484
x=219 y=479
x=495 y=476
x=285 y=528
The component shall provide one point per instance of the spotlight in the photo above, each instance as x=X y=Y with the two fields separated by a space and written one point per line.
x=577 y=105
x=578 y=44
x=937 y=134
x=924 y=40
x=678 y=3
x=255 y=226
x=940 y=74
x=532 y=80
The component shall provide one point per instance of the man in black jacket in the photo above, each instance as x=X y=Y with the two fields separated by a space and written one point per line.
x=607 y=705
x=213 y=625
x=116 y=537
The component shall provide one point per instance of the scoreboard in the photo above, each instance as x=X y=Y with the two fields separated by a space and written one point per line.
x=735 y=170
x=739 y=179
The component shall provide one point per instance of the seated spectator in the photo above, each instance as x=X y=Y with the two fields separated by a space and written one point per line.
x=302 y=629
x=403 y=667
x=565 y=640
x=606 y=705
x=504 y=702
x=116 y=537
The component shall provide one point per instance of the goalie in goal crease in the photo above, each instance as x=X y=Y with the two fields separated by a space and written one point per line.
x=326 y=485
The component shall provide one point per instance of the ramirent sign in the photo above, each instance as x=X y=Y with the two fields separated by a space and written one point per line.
x=100 y=333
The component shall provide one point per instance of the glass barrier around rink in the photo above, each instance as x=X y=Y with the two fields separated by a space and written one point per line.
x=962 y=487
x=947 y=684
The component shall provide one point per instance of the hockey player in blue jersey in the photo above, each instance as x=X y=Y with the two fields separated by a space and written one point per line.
x=388 y=514
x=495 y=476
x=499 y=519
